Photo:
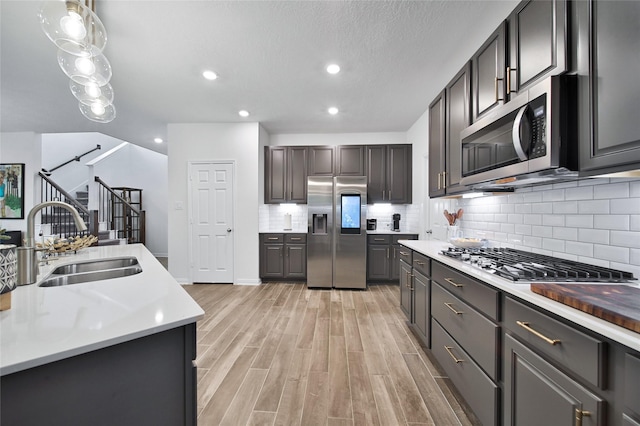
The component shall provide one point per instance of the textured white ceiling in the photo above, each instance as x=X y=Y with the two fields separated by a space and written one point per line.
x=270 y=56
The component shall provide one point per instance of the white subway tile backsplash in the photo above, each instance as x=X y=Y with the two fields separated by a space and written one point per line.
x=579 y=193
x=553 y=195
x=593 y=181
x=611 y=253
x=596 y=236
x=553 y=245
x=612 y=190
x=625 y=206
x=634 y=223
x=593 y=207
x=617 y=221
x=533 y=219
x=580 y=249
x=579 y=221
x=507 y=208
x=523 y=208
x=625 y=239
x=565 y=207
x=552 y=220
x=635 y=258
x=634 y=188
x=508 y=228
x=532 y=197
x=565 y=233
x=542 y=231
x=533 y=242
x=515 y=218
x=568 y=184
x=523 y=229
x=542 y=208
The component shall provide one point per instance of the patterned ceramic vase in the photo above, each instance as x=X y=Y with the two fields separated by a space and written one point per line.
x=8 y=268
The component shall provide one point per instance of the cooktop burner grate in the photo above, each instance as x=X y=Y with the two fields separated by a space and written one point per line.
x=517 y=265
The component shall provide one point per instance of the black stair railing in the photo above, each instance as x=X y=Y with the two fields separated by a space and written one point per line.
x=76 y=158
x=115 y=207
x=61 y=220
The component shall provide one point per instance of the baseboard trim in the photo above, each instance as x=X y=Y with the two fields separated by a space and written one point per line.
x=248 y=281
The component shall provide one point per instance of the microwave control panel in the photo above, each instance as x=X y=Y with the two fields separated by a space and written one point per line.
x=538 y=128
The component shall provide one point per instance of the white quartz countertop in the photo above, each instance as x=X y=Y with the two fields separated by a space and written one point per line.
x=49 y=324
x=390 y=232
x=523 y=291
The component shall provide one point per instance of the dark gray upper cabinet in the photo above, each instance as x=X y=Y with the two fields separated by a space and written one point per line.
x=285 y=174
x=458 y=117
x=608 y=36
x=538 y=40
x=488 y=68
x=388 y=169
x=321 y=160
x=350 y=160
x=437 y=142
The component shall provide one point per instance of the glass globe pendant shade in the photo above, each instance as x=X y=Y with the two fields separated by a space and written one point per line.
x=98 y=112
x=85 y=69
x=90 y=93
x=73 y=27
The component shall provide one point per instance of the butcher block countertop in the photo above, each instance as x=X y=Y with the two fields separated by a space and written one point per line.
x=47 y=324
x=524 y=291
x=619 y=304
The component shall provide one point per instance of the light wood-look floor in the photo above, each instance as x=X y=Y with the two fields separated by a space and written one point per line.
x=281 y=354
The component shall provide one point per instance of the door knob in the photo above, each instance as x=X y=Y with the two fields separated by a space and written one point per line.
x=228 y=229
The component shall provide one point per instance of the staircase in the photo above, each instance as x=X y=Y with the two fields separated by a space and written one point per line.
x=105 y=237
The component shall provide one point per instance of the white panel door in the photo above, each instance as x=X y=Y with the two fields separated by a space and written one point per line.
x=211 y=222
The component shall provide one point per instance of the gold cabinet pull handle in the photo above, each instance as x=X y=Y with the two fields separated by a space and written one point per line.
x=509 y=89
x=420 y=263
x=453 y=283
x=580 y=414
x=387 y=252
x=404 y=253
x=272 y=238
x=527 y=327
x=450 y=306
x=295 y=238
x=450 y=350
x=378 y=239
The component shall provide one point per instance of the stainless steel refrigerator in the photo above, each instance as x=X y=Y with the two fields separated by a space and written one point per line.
x=337 y=236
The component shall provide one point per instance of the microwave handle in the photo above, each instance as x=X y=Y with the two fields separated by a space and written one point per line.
x=515 y=134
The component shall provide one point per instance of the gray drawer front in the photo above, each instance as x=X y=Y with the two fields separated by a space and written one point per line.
x=575 y=350
x=379 y=239
x=632 y=383
x=476 y=388
x=422 y=264
x=273 y=238
x=406 y=255
x=628 y=421
x=483 y=297
x=295 y=238
x=397 y=238
x=478 y=335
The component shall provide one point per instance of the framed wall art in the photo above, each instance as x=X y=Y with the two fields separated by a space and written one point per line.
x=11 y=191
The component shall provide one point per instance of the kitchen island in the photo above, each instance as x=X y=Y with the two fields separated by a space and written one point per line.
x=516 y=356
x=115 y=351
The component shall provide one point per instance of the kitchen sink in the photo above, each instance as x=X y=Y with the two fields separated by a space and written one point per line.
x=84 y=277
x=96 y=265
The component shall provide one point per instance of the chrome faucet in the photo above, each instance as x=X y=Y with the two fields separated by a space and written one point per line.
x=27 y=260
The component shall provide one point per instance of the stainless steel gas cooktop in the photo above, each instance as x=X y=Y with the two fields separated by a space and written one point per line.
x=518 y=265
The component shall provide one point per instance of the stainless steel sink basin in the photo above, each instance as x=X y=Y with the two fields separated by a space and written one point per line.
x=95 y=265
x=84 y=277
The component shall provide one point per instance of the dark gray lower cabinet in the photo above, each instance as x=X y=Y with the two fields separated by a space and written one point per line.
x=283 y=256
x=537 y=393
x=147 y=381
x=383 y=256
x=405 y=288
x=421 y=306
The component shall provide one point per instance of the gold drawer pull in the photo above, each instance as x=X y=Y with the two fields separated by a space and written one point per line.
x=420 y=263
x=527 y=327
x=378 y=239
x=450 y=281
x=580 y=414
x=449 y=349
x=273 y=238
x=449 y=305
x=295 y=238
x=404 y=253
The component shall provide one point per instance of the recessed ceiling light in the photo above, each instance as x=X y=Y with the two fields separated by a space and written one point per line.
x=243 y=113
x=209 y=75
x=333 y=69
x=333 y=110
x=158 y=140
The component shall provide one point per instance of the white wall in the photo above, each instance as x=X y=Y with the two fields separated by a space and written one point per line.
x=58 y=148
x=23 y=147
x=237 y=142
x=418 y=136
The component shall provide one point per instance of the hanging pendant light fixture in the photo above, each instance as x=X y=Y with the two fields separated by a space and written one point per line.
x=81 y=37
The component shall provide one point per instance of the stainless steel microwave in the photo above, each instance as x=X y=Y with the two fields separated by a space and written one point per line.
x=530 y=140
